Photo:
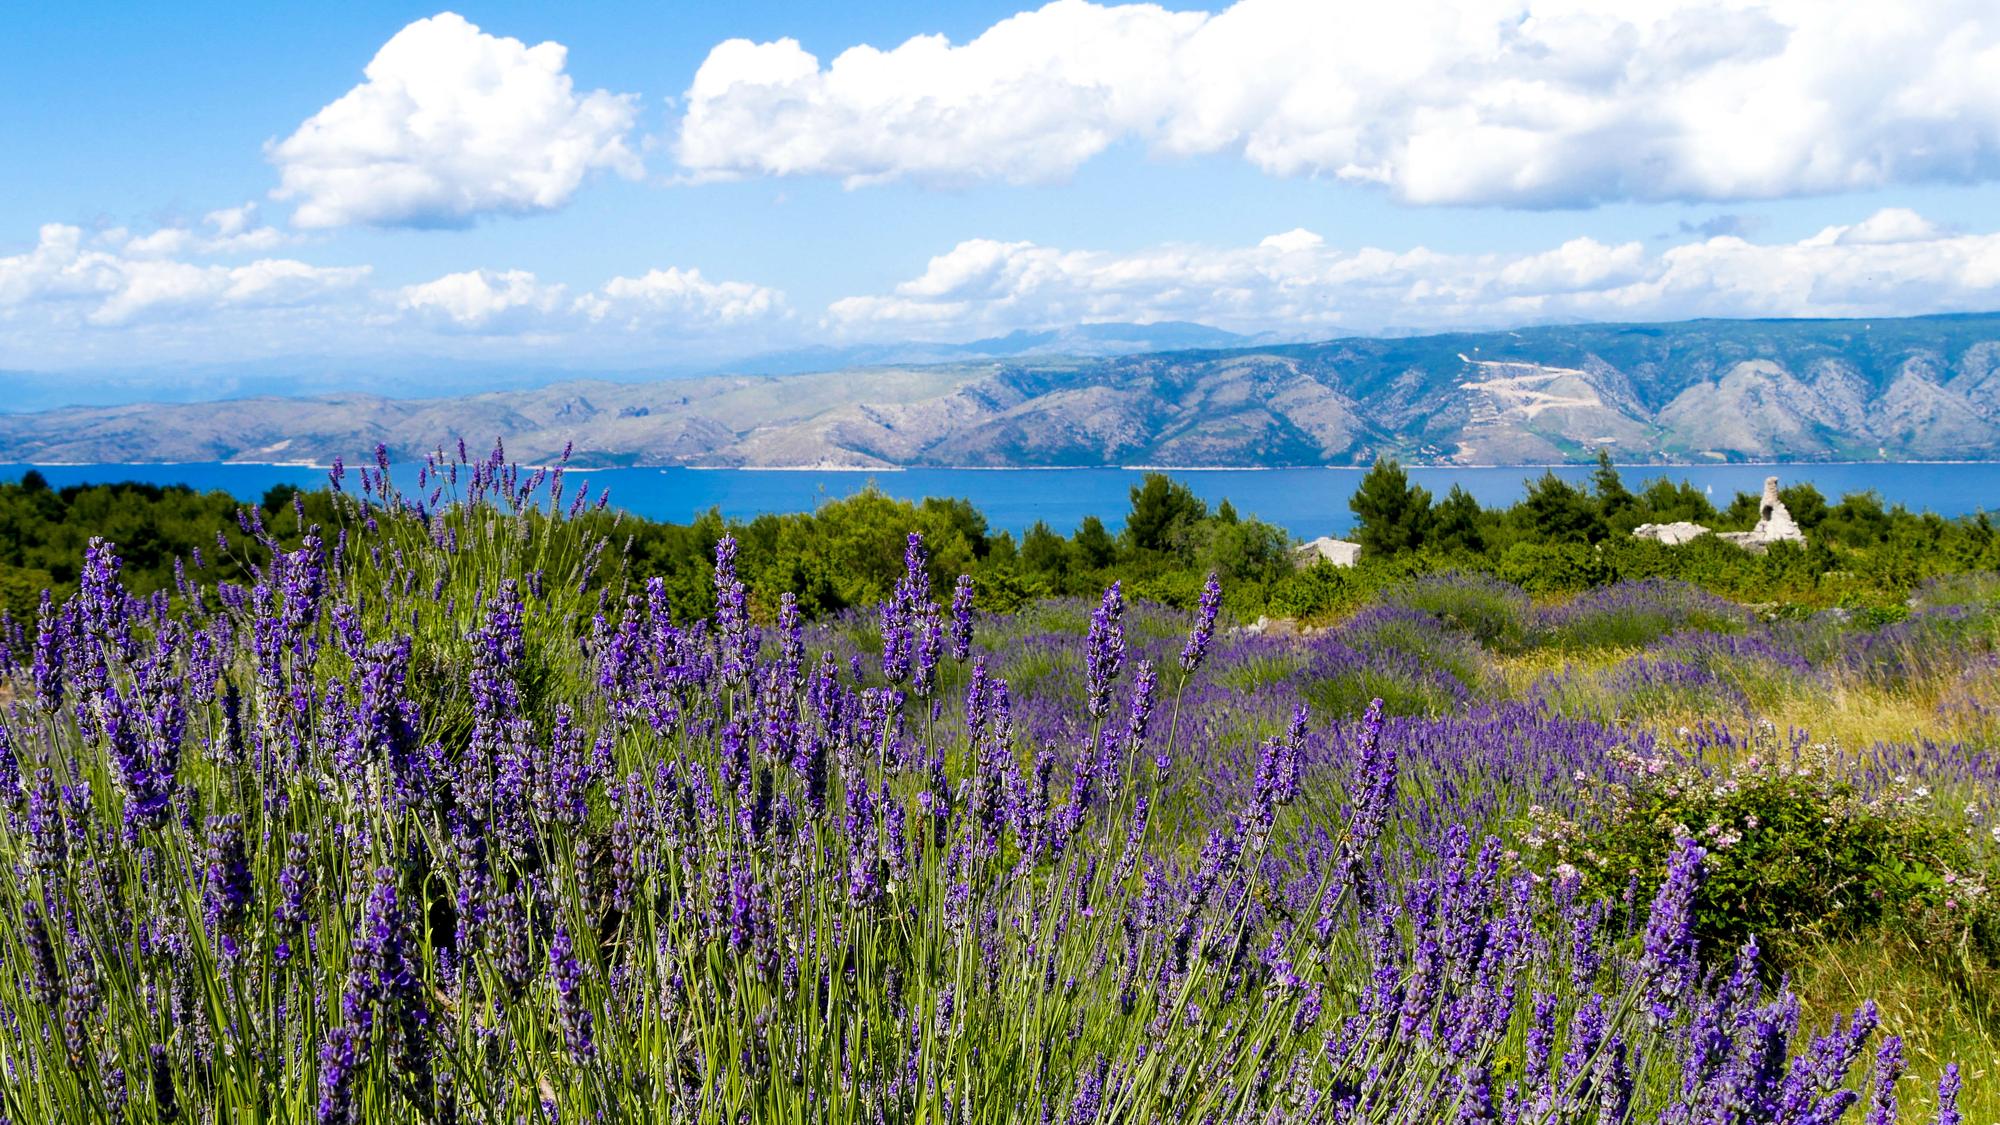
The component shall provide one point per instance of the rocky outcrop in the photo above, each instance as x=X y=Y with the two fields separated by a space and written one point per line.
x=1672 y=534
x=1339 y=552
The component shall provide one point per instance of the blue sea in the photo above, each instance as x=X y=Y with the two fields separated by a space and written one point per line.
x=1306 y=502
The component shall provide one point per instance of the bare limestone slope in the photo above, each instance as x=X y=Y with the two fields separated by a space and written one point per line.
x=1922 y=388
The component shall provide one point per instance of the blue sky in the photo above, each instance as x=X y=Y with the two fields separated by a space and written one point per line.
x=632 y=186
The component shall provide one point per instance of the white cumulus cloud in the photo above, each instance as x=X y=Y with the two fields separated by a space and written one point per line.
x=452 y=124
x=483 y=299
x=674 y=300
x=678 y=296
x=231 y=230
x=1515 y=102
x=62 y=281
x=1893 y=263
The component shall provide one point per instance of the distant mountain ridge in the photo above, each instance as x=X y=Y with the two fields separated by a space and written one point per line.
x=1910 y=389
x=302 y=376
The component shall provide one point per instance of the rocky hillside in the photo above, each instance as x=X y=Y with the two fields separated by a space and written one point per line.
x=1919 y=388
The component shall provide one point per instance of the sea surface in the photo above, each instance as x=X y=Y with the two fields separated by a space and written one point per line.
x=1306 y=502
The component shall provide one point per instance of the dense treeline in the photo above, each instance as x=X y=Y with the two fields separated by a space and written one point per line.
x=43 y=532
x=1564 y=536
x=849 y=552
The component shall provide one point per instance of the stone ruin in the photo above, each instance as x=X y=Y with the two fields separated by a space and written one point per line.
x=1672 y=534
x=1774 y=525
x=1339 y=552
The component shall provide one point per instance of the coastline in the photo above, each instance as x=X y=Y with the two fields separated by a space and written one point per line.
x=575 y=467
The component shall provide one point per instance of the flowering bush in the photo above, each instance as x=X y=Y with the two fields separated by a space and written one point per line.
x=1794 y=850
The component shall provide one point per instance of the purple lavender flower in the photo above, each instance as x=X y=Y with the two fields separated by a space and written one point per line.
x=1204 y=625
x=961 y=619
x=1104 y=651
x=52 y=641
x=340 y=1061
x=144 y=752
x=907 y=611
x=226 y=897
x=1882 y=1085
x=930 y=646
x=1376 y=780
x=791 y=643
x=566 y=973
x=1669 y=962
x=1948 y=1084
x=1145 y=685
x=165 y=1104
x=10 y=771
x=1277 y=783
x=732 y=612
x=288 y=917
x=385 y=998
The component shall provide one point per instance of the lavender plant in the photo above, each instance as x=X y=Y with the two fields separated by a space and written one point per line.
x=444 y=817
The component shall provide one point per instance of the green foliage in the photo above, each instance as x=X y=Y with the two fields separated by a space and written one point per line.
x=43 y=533
x=1616 y=505
x=1316 y=591
x=1804 y=502
x=1455 y=524
x=1556 y=511
x=1093 y=545
x=1392 y=514
x=1493 y=613
x=1164 y=514
x=1348 y=692
x=1795 y=853
x=1560 y=539
x=1547 y=568
x=1666 y=501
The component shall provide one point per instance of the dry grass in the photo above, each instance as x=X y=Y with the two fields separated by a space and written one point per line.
x=1844 y=714
x=1940 y=1021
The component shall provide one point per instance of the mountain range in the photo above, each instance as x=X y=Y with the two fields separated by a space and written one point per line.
x=1922 y=388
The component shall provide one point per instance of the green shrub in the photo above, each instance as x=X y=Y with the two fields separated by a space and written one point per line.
x=1317 y=591
x=1796 y=853
x=1550 y=568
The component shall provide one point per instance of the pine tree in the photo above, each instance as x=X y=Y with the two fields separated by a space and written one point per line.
x=1615 y=503
x=1557 y=511
x=1394 y=515
x=1164 y=511
x=1092 y=544
x=1455 y=523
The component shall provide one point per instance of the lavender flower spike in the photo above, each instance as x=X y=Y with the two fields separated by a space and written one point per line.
x=1204 y=625
x=1947 y=1113
x=1888 y=1068
x=1104 y=651
x=961 y=619
x=1669 y=961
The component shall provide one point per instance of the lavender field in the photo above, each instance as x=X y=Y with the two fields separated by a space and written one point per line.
x=446 y=818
